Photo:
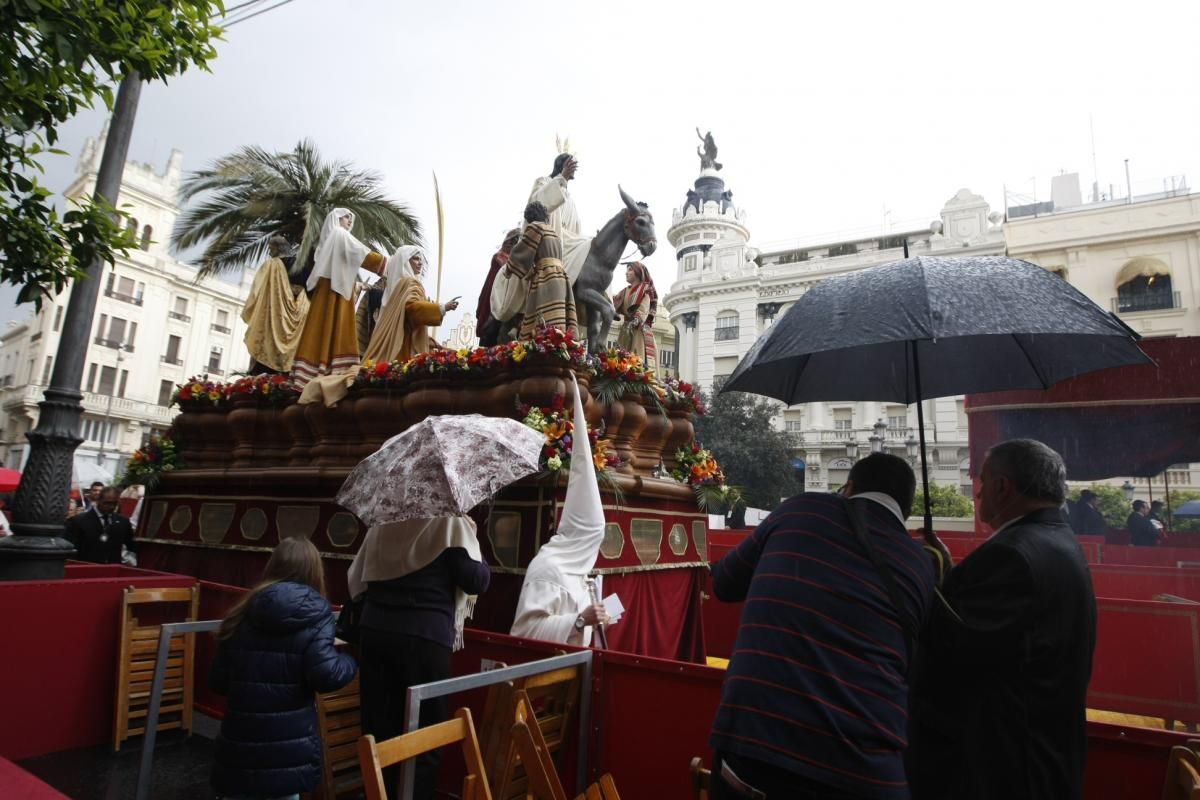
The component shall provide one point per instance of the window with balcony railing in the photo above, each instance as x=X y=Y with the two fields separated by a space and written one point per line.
x=220 y=328
x=727 y=327
x=115 y=344
x=177 y=315
x=1146 y=293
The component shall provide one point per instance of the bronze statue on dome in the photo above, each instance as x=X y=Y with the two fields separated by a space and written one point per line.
x=708 y=156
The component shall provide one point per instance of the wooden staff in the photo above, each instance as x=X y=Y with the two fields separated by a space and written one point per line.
x=600 y=638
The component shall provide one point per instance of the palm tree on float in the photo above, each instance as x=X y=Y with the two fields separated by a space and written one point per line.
x=255 y=194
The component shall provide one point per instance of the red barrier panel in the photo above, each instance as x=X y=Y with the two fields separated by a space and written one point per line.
x=1147 y=659
x=16 y=782
x=215 y=601
x=1151 y=556
x=650 y=718
x=1143 y=583
x=721 y=621
x=59 y=673
x=1125 y=762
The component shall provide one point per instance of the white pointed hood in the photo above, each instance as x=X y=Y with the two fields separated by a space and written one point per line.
x=576 y=545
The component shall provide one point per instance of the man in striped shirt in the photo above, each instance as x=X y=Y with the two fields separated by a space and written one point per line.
x=815 y=702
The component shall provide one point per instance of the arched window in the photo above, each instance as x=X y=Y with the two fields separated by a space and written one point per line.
x=147 y=232
x=727 y=326
x=1144 y=284
x=132 y=227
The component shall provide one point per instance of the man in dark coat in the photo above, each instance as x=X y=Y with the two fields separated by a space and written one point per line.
x=1087 y=519
x=815 y=699
x=99 y=533
x=1005 y=661
x=1142 y=532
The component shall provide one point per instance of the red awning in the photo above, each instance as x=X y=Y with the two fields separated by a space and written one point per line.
x=1129 y=421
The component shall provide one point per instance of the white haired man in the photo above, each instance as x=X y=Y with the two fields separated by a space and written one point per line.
x=1002 y=686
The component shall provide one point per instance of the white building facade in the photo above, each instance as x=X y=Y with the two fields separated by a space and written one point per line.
x=154 y=326
x=1140 y=258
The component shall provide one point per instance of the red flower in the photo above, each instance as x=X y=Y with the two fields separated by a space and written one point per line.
x=557 y=402
x=381 y=368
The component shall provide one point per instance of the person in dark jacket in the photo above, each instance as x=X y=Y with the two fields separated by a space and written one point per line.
x=1087 y=519
x=1004 y=663
x=420 y=577
x=1142 y=532
x=100 y=534
x=815 y=700
x=276 y=653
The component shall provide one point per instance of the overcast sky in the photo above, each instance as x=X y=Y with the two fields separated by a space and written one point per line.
x=826 y=115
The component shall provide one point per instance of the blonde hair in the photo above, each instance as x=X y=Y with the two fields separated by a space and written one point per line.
x=294 y=559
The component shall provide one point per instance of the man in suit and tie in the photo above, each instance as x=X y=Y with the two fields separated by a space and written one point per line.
x=100 y=534
x=1004 y=663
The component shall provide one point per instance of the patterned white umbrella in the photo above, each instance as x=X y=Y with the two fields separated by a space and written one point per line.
x=442 y=466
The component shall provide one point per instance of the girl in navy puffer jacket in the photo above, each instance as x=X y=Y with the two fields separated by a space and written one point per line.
x=276 y=652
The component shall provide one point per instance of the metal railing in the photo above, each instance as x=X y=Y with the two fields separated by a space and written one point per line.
x=115 y=344
x=221 y=328
x=727 y=333
x=169 y=360
x=125 y=298
x=179 y=316
x=215 y=370
x=167 y=631
x=1152 y=301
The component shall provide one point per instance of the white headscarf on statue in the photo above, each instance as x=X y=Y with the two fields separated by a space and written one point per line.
x=398 y=269
x=339 y=255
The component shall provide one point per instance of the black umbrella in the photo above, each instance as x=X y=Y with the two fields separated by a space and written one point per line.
x=930 y=327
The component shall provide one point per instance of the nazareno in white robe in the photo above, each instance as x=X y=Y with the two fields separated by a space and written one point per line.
x=555 y=589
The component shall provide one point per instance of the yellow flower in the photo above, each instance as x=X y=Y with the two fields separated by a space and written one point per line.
x=214 y=396
x=463 y=353
x=266 y=389
x=369 y=364
x=197 y=389
x=518 y=354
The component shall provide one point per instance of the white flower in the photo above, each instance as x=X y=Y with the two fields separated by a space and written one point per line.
x=554 y=463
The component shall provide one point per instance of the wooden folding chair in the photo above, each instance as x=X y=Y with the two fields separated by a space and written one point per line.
x=373 y=758
x=1183 y=775
x=137 y=655
x=701 y=780
x=542 y=779
x=551 y=698
x=338 y=714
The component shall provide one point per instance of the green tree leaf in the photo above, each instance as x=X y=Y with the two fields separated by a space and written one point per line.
x=56 y=57
x=755 y=456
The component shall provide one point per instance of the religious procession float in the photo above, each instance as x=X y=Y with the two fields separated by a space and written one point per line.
x=254 y=460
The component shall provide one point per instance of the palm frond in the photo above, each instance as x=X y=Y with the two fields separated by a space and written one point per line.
x=253 y=194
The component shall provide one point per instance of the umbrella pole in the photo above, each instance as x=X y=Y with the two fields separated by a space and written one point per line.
x=928 y=530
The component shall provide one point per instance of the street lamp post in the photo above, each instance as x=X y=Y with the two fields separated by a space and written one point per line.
x=108 y=409
x=912 y=446
x=852 y=448
x=1128 y=489
x=879 y=437
x=37 y=550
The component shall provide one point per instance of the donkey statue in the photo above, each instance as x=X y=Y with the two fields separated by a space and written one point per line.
x=634 y=223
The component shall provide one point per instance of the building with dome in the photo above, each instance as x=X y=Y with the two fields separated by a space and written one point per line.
x=1139 y=256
